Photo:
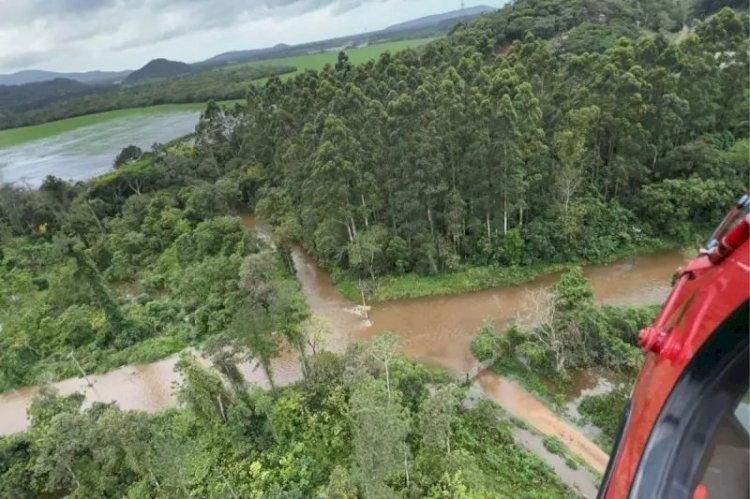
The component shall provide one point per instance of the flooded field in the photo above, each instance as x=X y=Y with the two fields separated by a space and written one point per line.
x=85 y=152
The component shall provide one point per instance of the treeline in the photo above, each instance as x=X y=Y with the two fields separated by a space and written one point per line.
x=219 y=84
x=516 y=140
x=42 y=92
x=366 y=424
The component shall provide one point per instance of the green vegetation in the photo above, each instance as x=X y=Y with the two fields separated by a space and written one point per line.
x=605 y=411
x=28 y=133
x=467 y=278
x=134 y=266
x=562 y=330
x=318 y=61
x=449 y=160
x=487 y=344
x=571 y=463
x=554 y=445
x=226 y=83
x=356 y=429
x=433 y=161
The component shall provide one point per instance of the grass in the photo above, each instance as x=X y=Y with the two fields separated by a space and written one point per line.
x=510 y=367
x=466 y=280
x=15 y=136
x=470 y=278
x=356 y=56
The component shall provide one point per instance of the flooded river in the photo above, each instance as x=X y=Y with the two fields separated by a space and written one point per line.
x=434 y=330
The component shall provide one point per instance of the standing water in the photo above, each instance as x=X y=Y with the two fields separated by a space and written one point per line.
x=89 y=151
x=434 y=330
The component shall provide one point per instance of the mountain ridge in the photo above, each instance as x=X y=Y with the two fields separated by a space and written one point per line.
x=436 y=19
x=38 y=75
x=158 y=68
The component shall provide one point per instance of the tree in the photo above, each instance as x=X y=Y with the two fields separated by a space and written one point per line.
x=555 y=321
x=383 y=349
x=570 y=146
x=379 y=431
x=257 y=279
x=252 y=328
x=367 y=249
x=435 y=419
x=128 y=155
x=202 y=391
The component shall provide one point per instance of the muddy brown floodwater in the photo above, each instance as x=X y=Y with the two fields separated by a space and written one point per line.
x=434 y=330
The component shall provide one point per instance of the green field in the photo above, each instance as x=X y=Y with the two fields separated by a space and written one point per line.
x=356 y=56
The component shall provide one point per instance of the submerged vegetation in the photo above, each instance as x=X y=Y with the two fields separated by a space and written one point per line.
x=561 y=330
x=546 y=133
x=355 y=429
x=605 y=411
x=15 y=136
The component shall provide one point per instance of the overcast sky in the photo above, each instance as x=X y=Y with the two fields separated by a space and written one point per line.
x=82 y=35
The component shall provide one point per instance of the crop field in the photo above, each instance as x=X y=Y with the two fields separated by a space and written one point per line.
x=356 y=56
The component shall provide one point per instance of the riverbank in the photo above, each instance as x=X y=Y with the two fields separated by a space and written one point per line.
x=471 y=279
x=436 y=331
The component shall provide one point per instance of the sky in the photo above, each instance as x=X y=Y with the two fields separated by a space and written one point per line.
x=83 y=35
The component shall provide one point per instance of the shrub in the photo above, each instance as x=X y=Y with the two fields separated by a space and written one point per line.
x=554 y=445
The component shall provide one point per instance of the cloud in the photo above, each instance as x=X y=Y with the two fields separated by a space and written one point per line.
x=23 y=59
x=112 y=34
x=13 y=12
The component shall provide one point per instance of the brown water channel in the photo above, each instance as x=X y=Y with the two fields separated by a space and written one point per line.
x=434 y=330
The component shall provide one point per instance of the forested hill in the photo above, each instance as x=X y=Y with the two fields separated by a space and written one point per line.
x=158 y=68
x=552 y=130
x=40 y=92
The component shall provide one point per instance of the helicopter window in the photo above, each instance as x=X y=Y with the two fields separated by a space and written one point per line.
x=723 y=470
x=698 y=447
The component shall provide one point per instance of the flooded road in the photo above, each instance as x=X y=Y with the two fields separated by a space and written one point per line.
x=434 y=330
x=89 y=151
x=525 y=406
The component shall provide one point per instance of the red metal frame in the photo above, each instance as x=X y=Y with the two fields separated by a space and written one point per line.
x=707 y=290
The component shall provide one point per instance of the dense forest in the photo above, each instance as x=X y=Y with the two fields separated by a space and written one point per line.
x=516 y=140
x=36 y=103
x=551 y=131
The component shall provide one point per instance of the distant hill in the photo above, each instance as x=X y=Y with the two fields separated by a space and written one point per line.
x=35 y=75
x=416 y=28
x=41 y=92
x=246 y=55
x=158 y=68
x=438 y=19
x=433 y=25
